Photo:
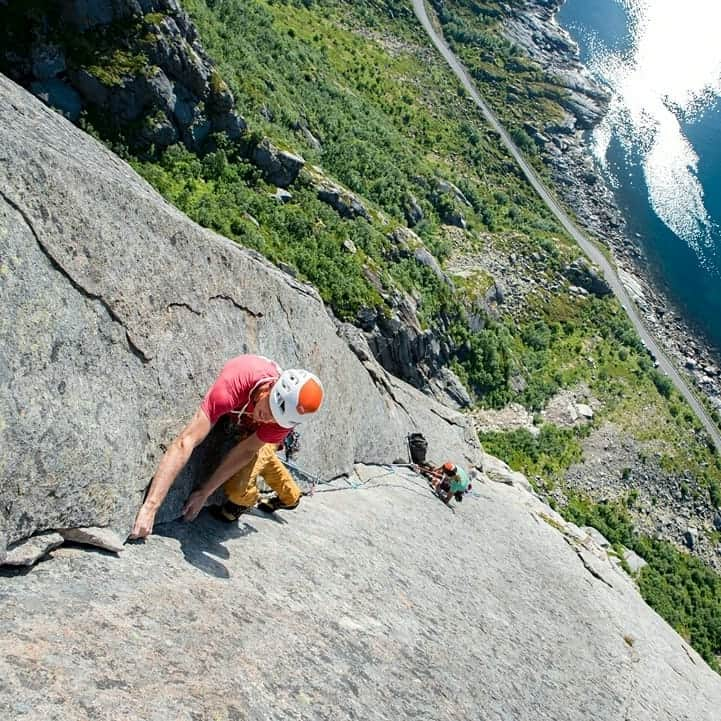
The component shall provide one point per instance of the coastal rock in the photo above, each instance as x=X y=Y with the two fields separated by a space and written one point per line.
x=120 y=312
x=531 y=25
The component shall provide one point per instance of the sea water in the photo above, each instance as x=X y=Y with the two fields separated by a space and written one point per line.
x=660 y=141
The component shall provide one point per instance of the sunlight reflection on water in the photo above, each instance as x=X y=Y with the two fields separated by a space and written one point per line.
x=668 y=76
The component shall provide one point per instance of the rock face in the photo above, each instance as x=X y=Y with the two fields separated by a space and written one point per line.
x=136 y=66
x=118 y=314
x=349 y=608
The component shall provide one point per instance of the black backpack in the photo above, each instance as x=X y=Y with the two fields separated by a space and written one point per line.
x=417 y=445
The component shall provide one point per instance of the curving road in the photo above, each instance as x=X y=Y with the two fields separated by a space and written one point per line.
x=591 y=251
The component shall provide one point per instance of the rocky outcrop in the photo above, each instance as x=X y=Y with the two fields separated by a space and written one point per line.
x=118 y=314
x=665 y=503
x=136 y=67
x=581 y=274
x=345 y=203
x=530 y=24
x=279 y=166
x=341 y=620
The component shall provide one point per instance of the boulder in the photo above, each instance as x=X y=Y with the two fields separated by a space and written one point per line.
x=446 y=187
x=426 y=258
x=342 y=200
x=717 y=520
x=232 y=124
x=584 y=410
x=118 y=314
x=301 y=127
x=413 y=211
x=279 y=166
x=583 y=275
x=158 y=130
x=634 y=561
x=282 y=195
x=690 y=538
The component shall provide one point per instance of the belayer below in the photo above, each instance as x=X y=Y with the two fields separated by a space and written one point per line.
x=259 y=405
x=450 y=481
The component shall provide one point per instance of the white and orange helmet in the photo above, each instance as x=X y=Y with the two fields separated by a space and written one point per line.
x=294 y=396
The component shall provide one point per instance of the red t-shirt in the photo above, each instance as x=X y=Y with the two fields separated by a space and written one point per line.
x=232 y=390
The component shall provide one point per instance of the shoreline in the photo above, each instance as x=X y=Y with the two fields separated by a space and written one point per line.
x=583 y=188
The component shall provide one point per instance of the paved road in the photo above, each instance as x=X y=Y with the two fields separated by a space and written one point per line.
x=593 y=253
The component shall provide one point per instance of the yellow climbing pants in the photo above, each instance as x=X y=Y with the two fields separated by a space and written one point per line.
x=242 y=489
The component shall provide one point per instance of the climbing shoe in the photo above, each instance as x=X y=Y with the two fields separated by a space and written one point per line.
x=274 y=503
x=228 y=512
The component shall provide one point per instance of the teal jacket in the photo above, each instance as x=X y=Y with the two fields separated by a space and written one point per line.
x=460 y=481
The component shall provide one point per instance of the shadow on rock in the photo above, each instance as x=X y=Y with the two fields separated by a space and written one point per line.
x=203 y=539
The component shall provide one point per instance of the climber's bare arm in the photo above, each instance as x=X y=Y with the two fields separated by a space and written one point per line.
x=172 y=462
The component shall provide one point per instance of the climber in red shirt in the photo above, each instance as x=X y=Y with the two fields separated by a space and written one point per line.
x=264 y=404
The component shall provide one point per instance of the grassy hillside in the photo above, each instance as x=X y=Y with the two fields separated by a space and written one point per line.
x=391 y=123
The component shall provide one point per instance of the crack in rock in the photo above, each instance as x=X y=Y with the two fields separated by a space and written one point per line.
x=184 y=305
x=254 y=313
x=135 y=349
x=585 y=563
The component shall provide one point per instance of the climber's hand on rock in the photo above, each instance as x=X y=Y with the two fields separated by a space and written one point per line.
x=194 y=505
x=143 y=523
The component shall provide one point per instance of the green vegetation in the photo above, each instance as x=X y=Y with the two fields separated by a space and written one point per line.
x=546 y=455
x=513 y=85
x=391 y=126
x=117 y=66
